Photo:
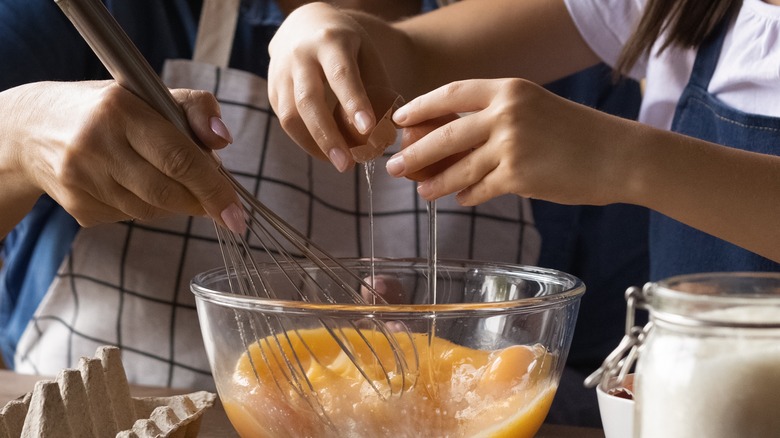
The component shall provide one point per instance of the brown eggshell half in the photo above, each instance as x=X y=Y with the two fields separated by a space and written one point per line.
x=365 y=147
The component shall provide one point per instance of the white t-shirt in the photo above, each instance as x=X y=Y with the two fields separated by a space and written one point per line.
x=748 y=79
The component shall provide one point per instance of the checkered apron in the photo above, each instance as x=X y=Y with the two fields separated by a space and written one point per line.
x=127 y=284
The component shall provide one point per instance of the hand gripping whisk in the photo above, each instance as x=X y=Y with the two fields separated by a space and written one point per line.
x=286 y=247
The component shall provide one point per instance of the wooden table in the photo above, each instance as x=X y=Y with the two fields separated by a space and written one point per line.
x=215 y=423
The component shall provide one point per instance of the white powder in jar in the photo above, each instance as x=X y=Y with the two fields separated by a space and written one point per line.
x=722 y=384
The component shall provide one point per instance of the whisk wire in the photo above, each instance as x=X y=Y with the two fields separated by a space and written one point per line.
x=293 y=371
x=308 y=248
x=263 y=235
x=126 y=64
x=240 y=259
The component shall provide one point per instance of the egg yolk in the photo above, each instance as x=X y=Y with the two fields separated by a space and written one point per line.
x=448 y=390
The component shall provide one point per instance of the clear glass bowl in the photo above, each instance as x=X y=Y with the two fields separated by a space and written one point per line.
x=286 y=367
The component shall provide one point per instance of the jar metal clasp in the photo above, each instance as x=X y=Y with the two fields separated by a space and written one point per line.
x=619 y=363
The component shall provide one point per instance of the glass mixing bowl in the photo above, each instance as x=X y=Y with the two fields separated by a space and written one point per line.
x=293 y=366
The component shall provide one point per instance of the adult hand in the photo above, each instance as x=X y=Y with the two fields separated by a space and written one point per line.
x=516 y=137
x=313 y=71
x=106 y=156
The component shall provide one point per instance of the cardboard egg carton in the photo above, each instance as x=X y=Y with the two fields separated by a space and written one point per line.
x=94 y=401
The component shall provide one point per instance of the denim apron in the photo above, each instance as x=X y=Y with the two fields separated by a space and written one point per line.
x=676 y=248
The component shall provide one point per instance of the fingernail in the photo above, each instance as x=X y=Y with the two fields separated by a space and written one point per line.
x=400 y=115
x=234 y=219
x=424 y=189
x=339 y=159
x=363 y=121
x=395 y=165
x=219 y=128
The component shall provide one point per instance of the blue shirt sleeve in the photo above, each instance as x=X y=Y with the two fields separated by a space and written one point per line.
x=38 y=43
x=32 y=253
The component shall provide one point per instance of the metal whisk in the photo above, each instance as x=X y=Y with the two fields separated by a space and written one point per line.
x=286 y=246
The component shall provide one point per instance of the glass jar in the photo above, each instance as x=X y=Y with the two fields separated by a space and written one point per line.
x=709 y=363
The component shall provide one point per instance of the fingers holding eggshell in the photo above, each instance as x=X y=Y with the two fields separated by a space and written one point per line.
x=367 y=146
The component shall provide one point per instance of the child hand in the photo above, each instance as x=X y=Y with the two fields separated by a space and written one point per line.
x=310 y=72
x=516 y=137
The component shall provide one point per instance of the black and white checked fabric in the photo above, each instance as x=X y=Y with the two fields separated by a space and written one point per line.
x=127 y=284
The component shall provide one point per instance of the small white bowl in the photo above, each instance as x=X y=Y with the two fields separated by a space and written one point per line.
x=617 y=413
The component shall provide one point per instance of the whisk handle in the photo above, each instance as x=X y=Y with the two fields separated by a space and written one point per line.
x=122 y=58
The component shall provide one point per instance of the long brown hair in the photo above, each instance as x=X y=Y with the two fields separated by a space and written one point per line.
x=685 y=23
